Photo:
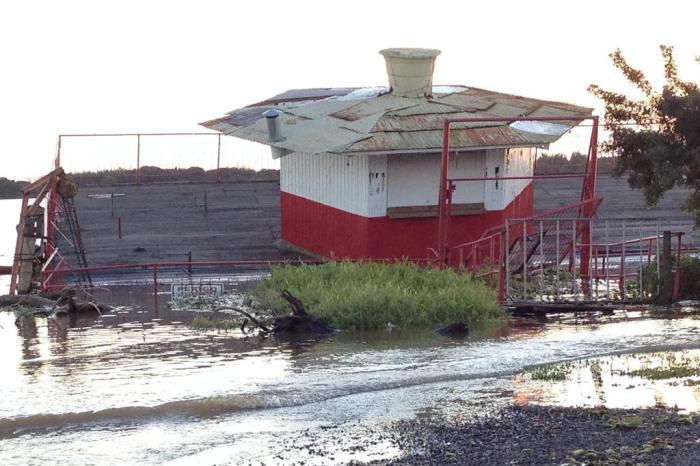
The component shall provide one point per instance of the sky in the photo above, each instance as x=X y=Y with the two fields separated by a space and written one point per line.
x=163 y=66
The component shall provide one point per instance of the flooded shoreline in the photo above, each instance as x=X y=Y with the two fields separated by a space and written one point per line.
x=220 y=397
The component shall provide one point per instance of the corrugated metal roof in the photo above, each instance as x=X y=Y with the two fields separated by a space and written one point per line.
x=349 y=120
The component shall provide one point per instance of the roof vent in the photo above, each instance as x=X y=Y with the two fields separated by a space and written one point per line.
x=273 y=124
x=410 y=71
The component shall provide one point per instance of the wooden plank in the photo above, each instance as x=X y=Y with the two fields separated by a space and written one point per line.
x=32 y=186
x=19 y=243
x=426 y=211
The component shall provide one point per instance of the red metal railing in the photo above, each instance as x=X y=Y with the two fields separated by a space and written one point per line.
x=447 y=185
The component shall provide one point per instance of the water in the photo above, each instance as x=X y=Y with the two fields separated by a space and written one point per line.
x=129 y=388
x=9 y=216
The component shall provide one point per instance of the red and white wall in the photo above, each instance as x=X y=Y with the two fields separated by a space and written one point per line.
x=336 y=205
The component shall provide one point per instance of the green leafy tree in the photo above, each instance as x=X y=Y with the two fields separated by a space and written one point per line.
x=657 y=137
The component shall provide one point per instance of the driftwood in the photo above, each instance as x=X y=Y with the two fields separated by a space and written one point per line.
x=262 y=326
x=43 y=306
x=454 y=330
x=26 y=300
x=300 y=322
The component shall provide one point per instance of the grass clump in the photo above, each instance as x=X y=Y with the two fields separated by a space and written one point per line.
x=550 y=372
x=205 y=323
x=371 y=295
x=660 y=373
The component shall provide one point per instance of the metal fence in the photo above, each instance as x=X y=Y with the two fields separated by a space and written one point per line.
x=135 y=158
x=545 y=260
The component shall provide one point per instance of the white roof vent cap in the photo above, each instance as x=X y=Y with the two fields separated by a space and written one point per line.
x=410 y=71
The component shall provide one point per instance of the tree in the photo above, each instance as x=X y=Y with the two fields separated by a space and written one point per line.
x=656 y=138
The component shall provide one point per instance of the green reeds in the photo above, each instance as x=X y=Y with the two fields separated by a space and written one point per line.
x=373 y=295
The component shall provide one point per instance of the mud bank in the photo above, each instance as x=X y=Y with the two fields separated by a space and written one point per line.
x=551 y=435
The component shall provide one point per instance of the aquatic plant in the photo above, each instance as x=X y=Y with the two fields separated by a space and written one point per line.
x=658 y=373
x=205 y=323
x=373 y=295
x=550 y=372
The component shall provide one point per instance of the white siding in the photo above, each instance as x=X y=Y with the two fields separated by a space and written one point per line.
x=414 y=179
x=378 y=184
x=518 y=162
x=367 y=184
x=338 y=181
x=494 y=189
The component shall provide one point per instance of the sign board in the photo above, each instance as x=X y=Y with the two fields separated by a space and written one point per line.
x=186 y=290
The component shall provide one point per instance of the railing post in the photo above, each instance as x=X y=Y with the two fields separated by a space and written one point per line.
x=541 y=261
x=442 y=195
x=524 y=251
x=606 y=263
x=641 y=264
x=557 y=260
x=623 y=260
x=573 y=259
x=505 y=267
x=57 y=162
x=666 y=278
x=677 y=276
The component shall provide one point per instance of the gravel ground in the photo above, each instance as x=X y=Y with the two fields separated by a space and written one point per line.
x=537 y=435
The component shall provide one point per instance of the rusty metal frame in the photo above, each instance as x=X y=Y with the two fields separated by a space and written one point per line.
x=447 y=184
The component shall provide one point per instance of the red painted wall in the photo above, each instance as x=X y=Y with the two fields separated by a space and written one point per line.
x=329 y=232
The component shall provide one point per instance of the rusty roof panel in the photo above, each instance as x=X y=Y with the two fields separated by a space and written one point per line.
x=427 y=108
x=368 y=107
x=465 y=101
x=391 y=122
x=330 y=120
x=492 y=136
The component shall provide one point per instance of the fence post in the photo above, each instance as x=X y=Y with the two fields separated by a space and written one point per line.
x=641 y=264
x=623 y=260
x=218 y=159
x=666 y=277
x=138 y=159
x=557 y=259
x=57 y=162
x=677 y=274
x=505 y=266
x=524 y=251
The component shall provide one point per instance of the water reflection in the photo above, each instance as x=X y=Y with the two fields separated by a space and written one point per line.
x=131 y=376
x=621 y=381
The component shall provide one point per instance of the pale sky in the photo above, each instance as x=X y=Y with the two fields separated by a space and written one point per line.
x=149 y=66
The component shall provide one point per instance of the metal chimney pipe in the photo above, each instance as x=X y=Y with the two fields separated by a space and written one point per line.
x=410 y=71
x=273 y=124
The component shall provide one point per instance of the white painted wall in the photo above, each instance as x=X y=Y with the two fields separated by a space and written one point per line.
x=378 y=185
x=338 y=181
x=518 y=162
x=367 y=184
x=494 y=189
x=414 y=179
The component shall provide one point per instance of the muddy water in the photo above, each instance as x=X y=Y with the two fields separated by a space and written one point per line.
x=130 y=388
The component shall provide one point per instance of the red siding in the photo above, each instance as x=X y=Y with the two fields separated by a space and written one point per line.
x=329 y=232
